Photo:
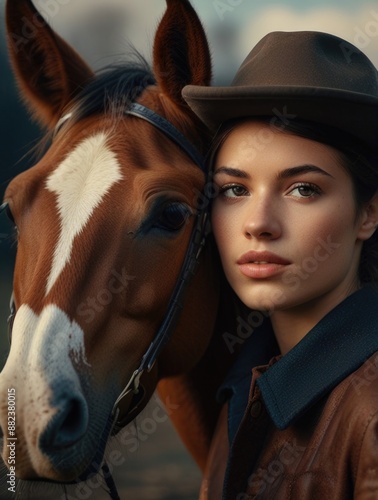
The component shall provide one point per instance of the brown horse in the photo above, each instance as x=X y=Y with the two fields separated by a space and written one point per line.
x=104 y=221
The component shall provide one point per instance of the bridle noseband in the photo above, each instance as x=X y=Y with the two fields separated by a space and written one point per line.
x=188 y=269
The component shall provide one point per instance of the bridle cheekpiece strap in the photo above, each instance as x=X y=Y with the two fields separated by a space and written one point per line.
x=197 y=241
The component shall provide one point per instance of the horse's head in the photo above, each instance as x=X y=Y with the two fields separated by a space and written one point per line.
x=104 y=220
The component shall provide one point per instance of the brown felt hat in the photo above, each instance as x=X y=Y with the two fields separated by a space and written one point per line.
x=302 y=74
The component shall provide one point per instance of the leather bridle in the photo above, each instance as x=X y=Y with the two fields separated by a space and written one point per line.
x=188 y=269
x=196 y=244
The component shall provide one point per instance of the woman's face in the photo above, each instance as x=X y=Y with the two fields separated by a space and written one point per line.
x=285 y=219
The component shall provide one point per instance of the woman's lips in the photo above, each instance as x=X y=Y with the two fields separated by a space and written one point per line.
x=259 y=265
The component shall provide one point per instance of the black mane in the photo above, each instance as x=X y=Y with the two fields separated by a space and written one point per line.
x=113 y=89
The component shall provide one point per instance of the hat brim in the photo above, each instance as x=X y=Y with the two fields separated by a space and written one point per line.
x=352 y=112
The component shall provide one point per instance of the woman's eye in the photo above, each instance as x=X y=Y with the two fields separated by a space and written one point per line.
x=234 y=191
x=173 y=216
x=305 y=190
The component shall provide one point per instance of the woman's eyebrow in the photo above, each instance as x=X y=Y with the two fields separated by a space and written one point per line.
x=301 y=169
x=284 y=174
x=233 y=172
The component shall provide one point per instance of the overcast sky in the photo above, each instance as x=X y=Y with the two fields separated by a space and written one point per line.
x=233 y=26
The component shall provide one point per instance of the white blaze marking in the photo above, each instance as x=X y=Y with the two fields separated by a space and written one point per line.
x=48 y=340
x=41 y=357
x=80 y=183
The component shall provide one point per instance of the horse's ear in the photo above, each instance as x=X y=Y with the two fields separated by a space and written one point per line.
x=181 y=53
x=48 y=71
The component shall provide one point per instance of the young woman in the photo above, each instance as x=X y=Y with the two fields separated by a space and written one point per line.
x=295 y=163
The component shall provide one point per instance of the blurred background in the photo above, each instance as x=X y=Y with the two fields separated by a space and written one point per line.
x=101 y=31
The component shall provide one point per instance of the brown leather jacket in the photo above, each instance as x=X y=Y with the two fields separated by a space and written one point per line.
x=310 y=427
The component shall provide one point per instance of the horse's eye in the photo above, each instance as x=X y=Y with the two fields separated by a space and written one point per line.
x=173 y=216
x=5 y=208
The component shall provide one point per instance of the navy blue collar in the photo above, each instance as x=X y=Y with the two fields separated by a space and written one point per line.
x=330 y=352
x=337 y=346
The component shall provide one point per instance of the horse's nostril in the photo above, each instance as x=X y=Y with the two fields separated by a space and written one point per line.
x=74 y=423
x=67 y=426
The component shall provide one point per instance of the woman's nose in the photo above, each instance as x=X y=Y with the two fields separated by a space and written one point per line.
x=262 y=220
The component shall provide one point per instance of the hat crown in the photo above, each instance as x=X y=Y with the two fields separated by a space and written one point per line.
x=308 y=59
x=300 y=75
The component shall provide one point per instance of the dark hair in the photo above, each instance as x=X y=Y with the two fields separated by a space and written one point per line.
x=355 y=156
